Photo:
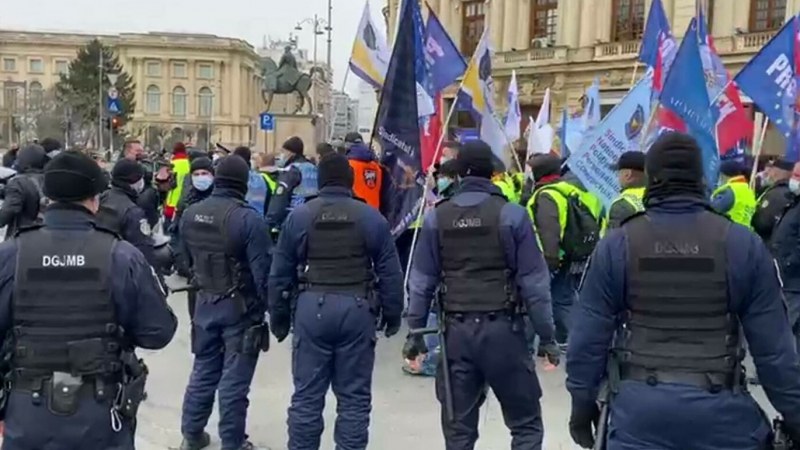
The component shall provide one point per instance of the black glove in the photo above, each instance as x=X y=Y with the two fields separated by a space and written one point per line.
x=793 y=433
x=552 y=352
x=583 y=417
x=415 y=345
x=390 y=325
x=280 y=323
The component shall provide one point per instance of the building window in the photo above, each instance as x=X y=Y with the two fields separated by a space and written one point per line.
x=767 y=15
x=179 y=102
x=153 y=100
x=153 y=68
x=628 y=23
x=35 y=94
x=9 y=65
x=205 y=71
x=544 y=20
x=35 y=65
x=179 y=70
x=473 y=23
x=62 y=67
x=205 y=100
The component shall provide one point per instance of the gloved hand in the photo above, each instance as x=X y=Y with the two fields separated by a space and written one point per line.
x=794 y=434
x=415 y=344
x=552 y=352
x=390 y=325
x=280 y=323
x=583 y=417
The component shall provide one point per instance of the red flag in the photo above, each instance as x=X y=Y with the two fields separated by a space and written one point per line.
x=733 y=124
x=430 y=134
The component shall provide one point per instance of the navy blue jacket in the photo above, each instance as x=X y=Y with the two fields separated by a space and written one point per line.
x=279 y=202
x=785 y=246
x=248 y=239
x=523 y=258
x=755 y=296
x=135 y=228
x=141 y=310
x=292 y=249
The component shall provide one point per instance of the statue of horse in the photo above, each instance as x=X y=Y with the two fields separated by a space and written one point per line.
x=288 y=80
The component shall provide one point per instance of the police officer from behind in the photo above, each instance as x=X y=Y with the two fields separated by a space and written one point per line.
x=24 y=200
x=674 y=293
x=79 y=300
x=479 y=251
x=119 y=211
x=630 y=174
x=734 y=198
x=229 y=256
x=352 y=276
x=296 y=184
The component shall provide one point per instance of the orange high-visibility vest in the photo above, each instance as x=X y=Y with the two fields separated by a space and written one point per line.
x=367 y=180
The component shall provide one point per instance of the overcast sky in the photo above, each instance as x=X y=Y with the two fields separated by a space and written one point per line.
x=245 y=19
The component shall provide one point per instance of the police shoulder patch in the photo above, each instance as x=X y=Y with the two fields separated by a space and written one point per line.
x=280 y=190
x=144 y=227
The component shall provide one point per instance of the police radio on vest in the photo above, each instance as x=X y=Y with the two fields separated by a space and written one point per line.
x=63 y=260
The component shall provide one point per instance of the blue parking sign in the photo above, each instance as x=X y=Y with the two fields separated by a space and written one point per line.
x=267 y=121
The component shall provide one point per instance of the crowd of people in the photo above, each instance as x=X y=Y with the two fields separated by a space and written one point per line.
x=651 y=297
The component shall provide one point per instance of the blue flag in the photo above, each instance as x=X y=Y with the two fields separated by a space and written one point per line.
x=685 y=94
x=655 y=31
x=397 y=125
x=620 y=131
x=769 y=78
x=562 y=134
x=445 y=60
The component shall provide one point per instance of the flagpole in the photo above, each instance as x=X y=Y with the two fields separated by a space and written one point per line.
x=757 y=155
x=635 y=69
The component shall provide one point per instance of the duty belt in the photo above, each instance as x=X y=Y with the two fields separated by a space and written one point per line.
x=711 y=382
x=360 y=289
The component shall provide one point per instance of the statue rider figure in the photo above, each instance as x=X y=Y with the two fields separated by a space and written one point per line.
x=288 y=74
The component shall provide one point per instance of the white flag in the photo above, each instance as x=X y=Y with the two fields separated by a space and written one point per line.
x=514 y=117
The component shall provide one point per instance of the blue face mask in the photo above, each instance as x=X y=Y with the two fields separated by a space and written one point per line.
x=202 y=182
x=442 y=184
x=280 y=160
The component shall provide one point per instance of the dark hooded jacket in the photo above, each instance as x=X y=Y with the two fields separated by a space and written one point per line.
x=23 y=193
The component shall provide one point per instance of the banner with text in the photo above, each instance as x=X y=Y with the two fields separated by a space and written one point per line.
x=619 y=132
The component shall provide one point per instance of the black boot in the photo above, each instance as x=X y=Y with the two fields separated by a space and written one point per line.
x=197 y=443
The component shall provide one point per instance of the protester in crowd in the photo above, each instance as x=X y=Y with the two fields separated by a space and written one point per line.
x=180 y=169
x=24 y=200
x=372 y=181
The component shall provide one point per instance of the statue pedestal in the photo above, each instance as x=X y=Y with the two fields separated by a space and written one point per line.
x=288 y=125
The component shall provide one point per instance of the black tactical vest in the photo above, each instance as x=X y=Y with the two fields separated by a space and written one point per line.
x=205 y=231
x=474 y=269
x=679 y=322
x=63 y=314
x=114 y=205
x=337 y=257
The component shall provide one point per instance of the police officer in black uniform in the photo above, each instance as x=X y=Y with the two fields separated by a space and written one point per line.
x=480 y=252
x=119 y=211
x=775 y=199
x=79 y=300
x=229 y=254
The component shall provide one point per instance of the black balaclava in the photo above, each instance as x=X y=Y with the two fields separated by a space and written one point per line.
x=334 y=171
x=232 y=172
x=674 y=168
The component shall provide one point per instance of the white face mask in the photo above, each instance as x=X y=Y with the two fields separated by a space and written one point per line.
x=794 y=186
x=138 y=186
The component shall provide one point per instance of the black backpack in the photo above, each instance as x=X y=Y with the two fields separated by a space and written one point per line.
x=582 y=230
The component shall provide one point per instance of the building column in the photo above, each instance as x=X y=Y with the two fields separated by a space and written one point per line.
x=569 y=23
x=741 y=16
x=588 y=22
x=792 y=8
x=510 y=19
x=444 y=13
x=496 y=8
x=523 y=40
x=604 y=21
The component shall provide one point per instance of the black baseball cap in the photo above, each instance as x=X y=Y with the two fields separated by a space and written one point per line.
x=630 y=160
x=353 y=138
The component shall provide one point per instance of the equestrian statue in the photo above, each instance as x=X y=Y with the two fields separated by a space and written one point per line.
x=286 y=78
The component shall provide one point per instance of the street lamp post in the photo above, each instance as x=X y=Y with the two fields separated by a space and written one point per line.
x=320 y=27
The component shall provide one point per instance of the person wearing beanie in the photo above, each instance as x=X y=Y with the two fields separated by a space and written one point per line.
x=88 y=292
x=297 y=182
x=348 y=251
x=470 y=243
x=566 y=244
x=24 y=201
x=180 y=170
x=734 y=198
x=785 y=247
x=630 y=175
x=228 y=250
x=675 y=290
x=775 y=198
x=52 y=147
x=372 y=180
x=259 y=191
x=120 y=213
